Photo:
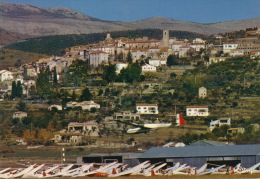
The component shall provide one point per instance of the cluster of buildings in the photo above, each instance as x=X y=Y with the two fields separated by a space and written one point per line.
x=155 y=52
x=115 y=51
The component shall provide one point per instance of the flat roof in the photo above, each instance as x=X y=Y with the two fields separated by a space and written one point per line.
x=202 y=151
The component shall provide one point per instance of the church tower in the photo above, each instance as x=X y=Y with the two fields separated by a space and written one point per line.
x=108 y=38
x=165 y=39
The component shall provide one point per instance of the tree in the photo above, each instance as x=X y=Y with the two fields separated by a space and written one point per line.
x=129 y=58
x=44 y=136
x=14 y=90
x=55 y=77
x=171 y=60
x=131 y=73
x=29 y=136
x=73 y=96
x=43 y=85
x=19 y=89
x=110 y=73
x=21 y=106
x=100 y=92
x=78 y=72
x=85 y=95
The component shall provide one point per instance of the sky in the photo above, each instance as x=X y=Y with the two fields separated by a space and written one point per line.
x=201 y=11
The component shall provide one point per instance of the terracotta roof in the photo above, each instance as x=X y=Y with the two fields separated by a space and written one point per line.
x=196 y=106
x=97 y=52
x=146 y=104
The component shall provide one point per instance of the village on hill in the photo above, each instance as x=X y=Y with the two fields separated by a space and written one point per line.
x=90 y=94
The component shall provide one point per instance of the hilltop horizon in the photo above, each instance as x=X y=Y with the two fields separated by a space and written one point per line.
x=123 y=11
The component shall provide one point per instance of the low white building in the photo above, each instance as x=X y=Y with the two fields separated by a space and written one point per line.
x=236 y=52
x=19 y=114
x=55 y=106
x=97 y=58
x=120 y=66
x=157 y=62
x=147 y=108
x=197 y=111
x=219 y=122
x=85 y=105
x=148 y=68
x=5 y=75
x=202 y=92
x=89 y=128
x=228 y=47
x=216 y=59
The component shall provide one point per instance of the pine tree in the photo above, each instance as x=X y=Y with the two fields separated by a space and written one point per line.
x=14 y=90
x=85 y=95
x=55 y=78
x=129 y=58
x=19 y=89
x=73 y=96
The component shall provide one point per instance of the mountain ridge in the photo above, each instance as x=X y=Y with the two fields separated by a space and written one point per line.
x=32 y=21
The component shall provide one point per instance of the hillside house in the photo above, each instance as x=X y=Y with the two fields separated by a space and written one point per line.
x=120 y=66
x=227 y=47
x=89 y=128
x=5 y=75
x=64 y=138
x=126 y=115
x=85 y=105
x=55 y=106
x=157 y=62
x=202 y=92
x=147 y=108
x=97 y=58
x=197 y=111
x=236 y=130
x=255 y=54
x=216 y=59
x=219 y=122
x=148 y=68
x=19 y=114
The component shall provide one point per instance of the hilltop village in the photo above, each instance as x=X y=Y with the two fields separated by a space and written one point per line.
x=79 y=98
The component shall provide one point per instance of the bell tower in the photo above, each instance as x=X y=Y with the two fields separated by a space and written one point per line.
x=165 y=39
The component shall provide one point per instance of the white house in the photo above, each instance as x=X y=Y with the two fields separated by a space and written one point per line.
x=183 y=51
x=157 y=62
x=147 y=108
x=197 y=111
x=219 y=122
x=85 y=105
x=236 y=52
x=5 y=75
x=148 y=68
x=228 y=47
x=89 y=128
x=197 y=46
x=19 y=114
x=254 y=54
x=199 y=40
x=120 y=66
x=58 y=107
x=98 y=57
x=216 y=59
x=202 y=92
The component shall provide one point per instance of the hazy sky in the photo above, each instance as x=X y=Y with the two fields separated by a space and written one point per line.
x=202 y=11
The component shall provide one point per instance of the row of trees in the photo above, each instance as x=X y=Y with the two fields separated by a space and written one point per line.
x=17 y=90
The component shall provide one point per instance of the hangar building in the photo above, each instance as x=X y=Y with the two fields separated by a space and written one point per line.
x=197 y=155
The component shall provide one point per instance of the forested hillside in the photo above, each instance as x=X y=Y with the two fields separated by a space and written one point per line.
x=55 y=45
